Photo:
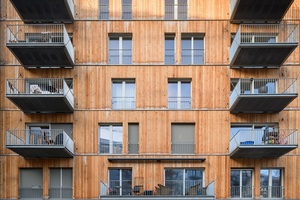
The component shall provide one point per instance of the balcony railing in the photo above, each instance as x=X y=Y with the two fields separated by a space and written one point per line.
x=33 y=89
x=271 y=192
x=120 y=56
x=133 y=148
x=126 y=103
x=263 y=37
x=156 y=189
x=262 y=95
x=39 y=142
x=179 y=103
x=192 y=56
x=176 y=12
x=282 y=141
x=60 y=192
x=34 y=192
x=242 y=192
x=183 y=148
x=35 y=36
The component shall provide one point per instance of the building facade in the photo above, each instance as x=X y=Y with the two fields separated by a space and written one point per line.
x=140 y=99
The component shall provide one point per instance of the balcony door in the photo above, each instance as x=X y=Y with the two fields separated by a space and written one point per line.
x=60 y=183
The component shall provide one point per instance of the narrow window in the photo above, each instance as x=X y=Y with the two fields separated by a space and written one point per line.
x=133 y=138
x=104 y=9
x=126 y=9
x=170 y=49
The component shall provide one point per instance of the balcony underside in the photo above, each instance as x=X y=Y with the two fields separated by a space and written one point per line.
x=42 y=55
x=259 y=10
x=33 y=11
x=261 y=103
x=155 y=197
x=261 y=55
x=42 y=103
x=264 y=151
x=41 y=151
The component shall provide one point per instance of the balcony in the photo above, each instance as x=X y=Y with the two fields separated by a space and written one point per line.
x=263 y=46
x=262 y=143
x=44 y=46
x=36 y=143
x=41 y=95
x=45 y=11
x=258 y=11
x=262 y=95
x=173 y=189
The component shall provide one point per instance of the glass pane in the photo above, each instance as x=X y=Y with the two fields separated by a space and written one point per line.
x=174 y=181
x=185 y=89
x=126 y=9
x=117 y=139
x=126 y=181
x=235 y=183
x=193 y=182
x=247 y=183
x=198 y=51
x=276 y=183
x=114 y=50
x=126 y=51
x=172 y=89
x=235 y=129
x=104 y=139
x=182 y=9
x=104 y=9
x=169 y=9
x=114 y=182
x=169 y=50
x=186 y=53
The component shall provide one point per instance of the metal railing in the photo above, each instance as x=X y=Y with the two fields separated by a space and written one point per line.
x=192 y=56
x=176 y=12
x=133 y=148
x=241 y=191
x=31 y=192
x=179 y=103
x=271 y=191
x=120 y=56
x=156 y=187
x=60 y=192
x=183 y=148
x=268 y=86
x=110 y=148
x=127 y=103
x=281 y=137
x=39 y=137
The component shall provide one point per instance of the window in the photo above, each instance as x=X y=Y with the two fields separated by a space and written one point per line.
x=120 y=50
x=133 y=138
x=179 y=94
x=271 y=183
x=175 y=9
x=60 y=183
x=241 y=183
x=184 y=181
x=111 y=139
x=169 y=49
x=192 y=50
x=104 y=9
x=120 y=181
x=259 y=134
x=182 y=136
x=123 y=94
x=31 y=183
x=126 y=9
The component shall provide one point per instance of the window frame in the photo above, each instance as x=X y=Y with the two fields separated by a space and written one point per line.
x=122 y=104
x=179 y=98
x=111 y=141
x=120 y=53
x=117 y=189
x=267 y=191
x=176 y=10
x=189 y=56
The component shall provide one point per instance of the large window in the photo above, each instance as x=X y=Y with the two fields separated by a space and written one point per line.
x=179 y=94
x=133 y=138
x=241 y=183
x=120 y=49
x=184 y=181
x=175 y=9
x=123 y=94
x=126 y=9
x=169 y=49
x=271 y=183
x=104 y=9
x=110 y=139
x=60 y=183
x=182 y=136
x=120 y=181
x=192 y=49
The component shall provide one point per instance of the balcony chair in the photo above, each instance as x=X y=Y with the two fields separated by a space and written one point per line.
x=263 y=89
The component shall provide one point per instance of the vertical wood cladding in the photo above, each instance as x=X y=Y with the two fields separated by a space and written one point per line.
x=92 y=87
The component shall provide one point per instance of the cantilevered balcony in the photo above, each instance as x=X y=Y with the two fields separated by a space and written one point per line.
x=263 y=45
x=258 y=11
x=38 y=143
x=45 y=11
x=262 y=143
x=47 y=95
x=151 y=189
x=262 y=95
x=44 y=46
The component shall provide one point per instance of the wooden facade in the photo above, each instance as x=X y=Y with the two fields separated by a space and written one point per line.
x=92 y=78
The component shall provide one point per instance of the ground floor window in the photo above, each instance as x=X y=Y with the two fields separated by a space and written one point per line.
x=184 y=181
x=271 y=183
x=241 y=183
x=120 y=181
